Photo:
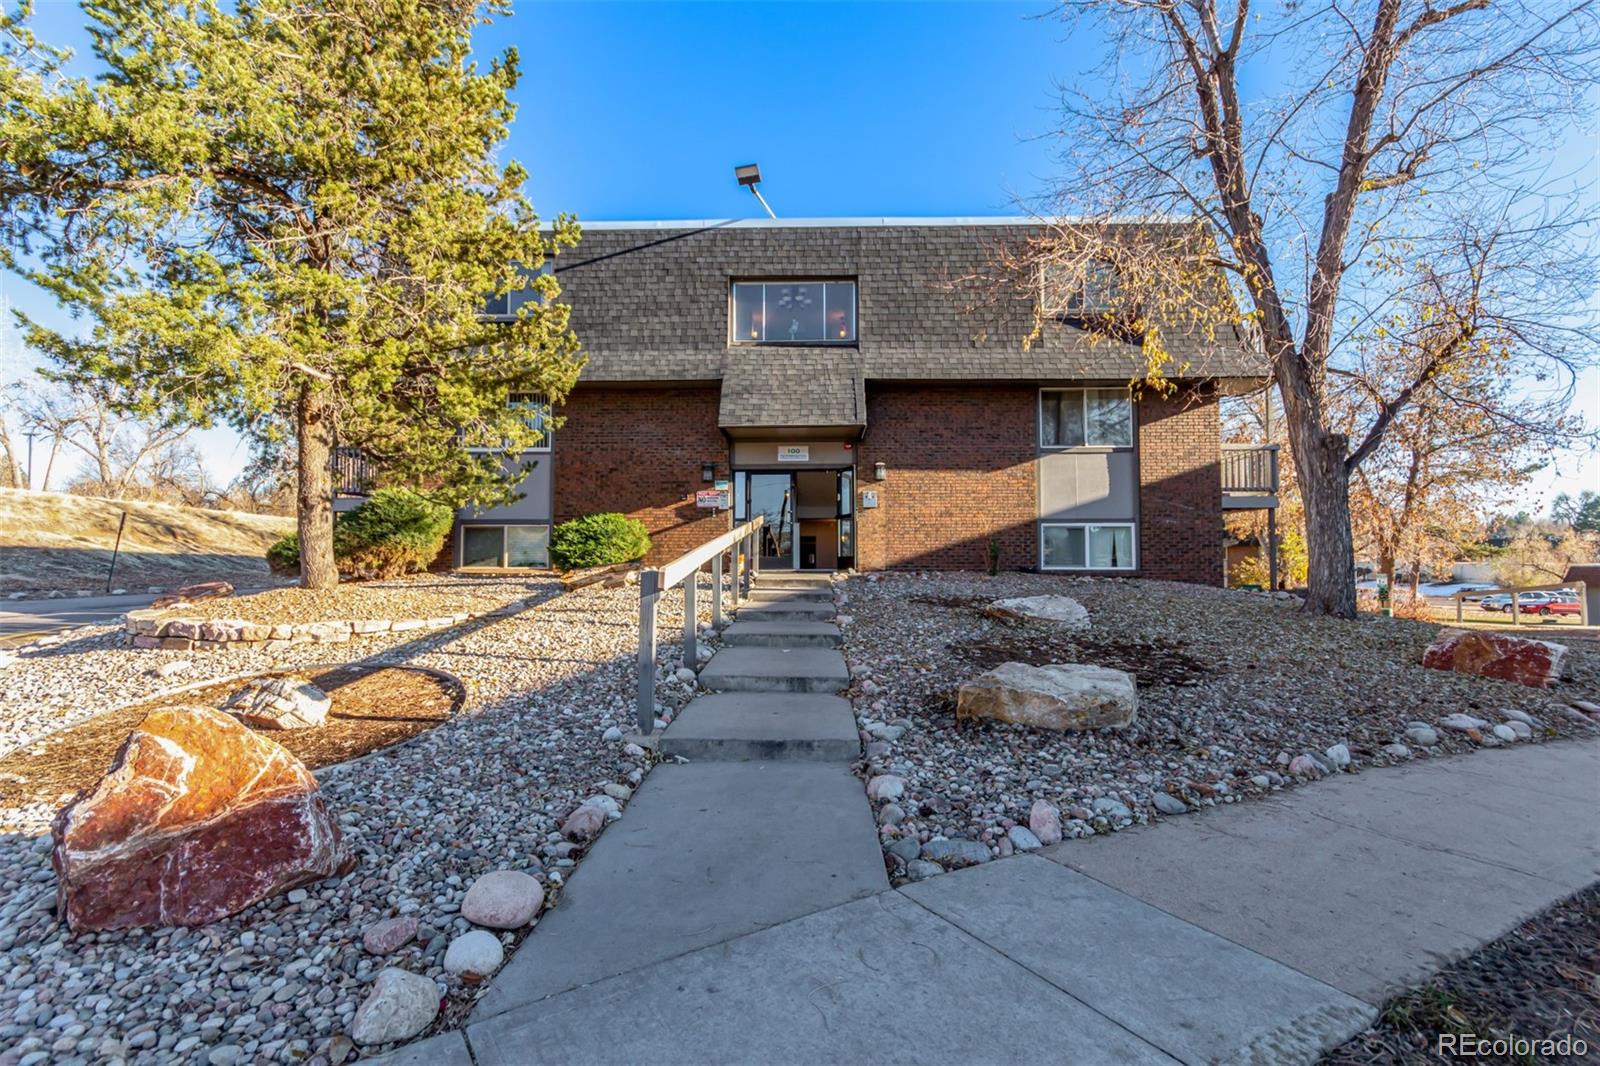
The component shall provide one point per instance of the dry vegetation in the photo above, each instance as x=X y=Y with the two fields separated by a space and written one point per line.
x=51 y=540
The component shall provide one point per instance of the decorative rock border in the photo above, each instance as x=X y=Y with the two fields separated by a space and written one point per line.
x=152 y=628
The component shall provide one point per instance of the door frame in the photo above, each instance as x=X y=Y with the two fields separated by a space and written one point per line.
x=742 y=491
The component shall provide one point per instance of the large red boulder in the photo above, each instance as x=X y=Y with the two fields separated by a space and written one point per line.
x=1498 y=655
x=197 y=818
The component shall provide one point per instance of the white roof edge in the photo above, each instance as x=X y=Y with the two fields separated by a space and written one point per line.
x=817 y=223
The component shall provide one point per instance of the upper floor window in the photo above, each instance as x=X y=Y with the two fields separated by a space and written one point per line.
x=1077 y=418
x=794 y=312
x=504 y=306
x=1071 y=290
x=535 y=411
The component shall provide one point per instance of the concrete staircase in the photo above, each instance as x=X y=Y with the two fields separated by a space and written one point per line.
x=763 y=824
x=773 y=682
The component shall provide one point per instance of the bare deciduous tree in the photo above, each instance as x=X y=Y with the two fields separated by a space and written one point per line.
x=1399 y=132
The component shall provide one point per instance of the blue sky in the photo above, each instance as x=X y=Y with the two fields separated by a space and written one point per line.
x=641 y=110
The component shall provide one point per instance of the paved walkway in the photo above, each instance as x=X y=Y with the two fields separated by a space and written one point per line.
x=739 y=912
x=26 y=619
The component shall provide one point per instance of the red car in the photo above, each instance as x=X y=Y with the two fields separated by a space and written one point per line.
x=1564 y=605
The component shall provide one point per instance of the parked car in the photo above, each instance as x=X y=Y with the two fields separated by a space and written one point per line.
x=1526 y=601
x=1560 y=605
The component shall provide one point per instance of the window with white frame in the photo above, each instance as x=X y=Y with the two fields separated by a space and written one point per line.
x=1087 y=546
x=505 y=546
x=1085 y=418
x=793 y=312
x=535 y=410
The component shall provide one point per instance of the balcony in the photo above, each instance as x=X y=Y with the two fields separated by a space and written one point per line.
x=352 y=473
x=1249 y=476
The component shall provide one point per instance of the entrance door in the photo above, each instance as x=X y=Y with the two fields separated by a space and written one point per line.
x=847 y=520
x=772 y=495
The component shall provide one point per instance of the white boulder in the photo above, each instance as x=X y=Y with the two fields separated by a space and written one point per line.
x=280 y=703
x=476 y=952
x=1061 y=696
x=400 y=1005
x=1063 y=611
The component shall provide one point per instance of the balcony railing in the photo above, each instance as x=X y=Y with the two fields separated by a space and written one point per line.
x=1250 y=469
x=352 y=472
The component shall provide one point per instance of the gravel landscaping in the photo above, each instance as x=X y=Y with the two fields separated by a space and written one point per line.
x=420 y=596
x=550 y=693
x=67 y=678
x=1239 y=695
x=1541 y=981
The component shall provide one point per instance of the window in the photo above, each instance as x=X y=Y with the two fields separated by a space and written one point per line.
x=505 y=546
x=1077 y=418
x=794 y=312
x=1072 y=290
x=505 y=306
x=1087 y=547
x=535 y=411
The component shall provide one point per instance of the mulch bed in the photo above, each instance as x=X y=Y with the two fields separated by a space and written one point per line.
x=1153 y=662
x=1539 y=981
x=373 y=707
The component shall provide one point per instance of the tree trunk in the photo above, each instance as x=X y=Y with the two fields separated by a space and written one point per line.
x=1325 y=491
x=314 y=494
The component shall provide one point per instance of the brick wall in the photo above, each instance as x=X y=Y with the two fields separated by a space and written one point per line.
x=961 y=473
x=639 y=451
x=1180 y=488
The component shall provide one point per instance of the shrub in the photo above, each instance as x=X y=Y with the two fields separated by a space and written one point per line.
x=284 y=555
x=598 y=540
x=395 y=532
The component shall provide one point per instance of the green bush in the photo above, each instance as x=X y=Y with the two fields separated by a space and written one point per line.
x=284 y=555
x=598 y=540
x=395 y=532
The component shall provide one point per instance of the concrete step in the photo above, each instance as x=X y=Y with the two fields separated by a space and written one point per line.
x=794 y=579
x=782 y=726
x=787 y=609
x=762 y=594
x=783 y=635
x=705 y=852
x=775 y=670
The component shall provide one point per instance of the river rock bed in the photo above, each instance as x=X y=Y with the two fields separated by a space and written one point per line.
x=550 y=691
x=1239 y=696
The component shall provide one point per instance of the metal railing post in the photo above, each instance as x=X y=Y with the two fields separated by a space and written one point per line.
x=648 y=593
x=691 y=619
x=716 y=591
x=737 y=551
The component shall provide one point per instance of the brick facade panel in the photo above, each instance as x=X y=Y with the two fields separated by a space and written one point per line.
x=961 y=474
x=639 y=451
x=1180 y=487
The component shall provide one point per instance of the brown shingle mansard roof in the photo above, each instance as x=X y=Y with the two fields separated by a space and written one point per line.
x=650 y=304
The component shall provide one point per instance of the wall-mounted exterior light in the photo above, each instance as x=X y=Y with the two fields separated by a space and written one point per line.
x=708 y=471
x=880 y=471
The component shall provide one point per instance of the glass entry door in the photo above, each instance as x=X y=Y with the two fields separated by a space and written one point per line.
x=772 y=495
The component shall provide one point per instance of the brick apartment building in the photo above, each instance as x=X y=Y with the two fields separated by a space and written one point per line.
x=825 y=373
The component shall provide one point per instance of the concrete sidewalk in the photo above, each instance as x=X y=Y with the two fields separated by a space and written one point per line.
x=1370 y=882
x=1263 y=932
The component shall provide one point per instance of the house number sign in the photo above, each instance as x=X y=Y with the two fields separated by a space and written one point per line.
x=794 y=453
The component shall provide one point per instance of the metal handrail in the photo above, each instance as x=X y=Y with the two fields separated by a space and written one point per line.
x=1581 y=588
x=654 y=583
